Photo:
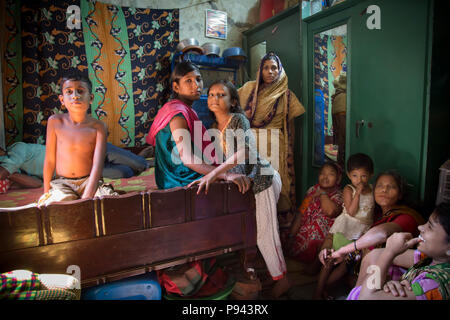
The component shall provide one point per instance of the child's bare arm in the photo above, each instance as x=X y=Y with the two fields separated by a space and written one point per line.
x=325 y=250
x=374 y=236
x=328 y=243
x=220 y=171
x=25 y=181
x=351 y=203
x=50 y=153
x=396 y=244
x=98 y=161
x=231 y=162
x=4 y=174
x=177 y=124
x=329 y=208
x=405 y=260
x=295 y=224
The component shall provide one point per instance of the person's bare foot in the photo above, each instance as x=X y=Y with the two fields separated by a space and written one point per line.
x=280 y=287
x=285 y=219
x=283 y=222
x=290 y=217
x=320 y=295
x=147 y=152
x=151 y=162
x=312 y=268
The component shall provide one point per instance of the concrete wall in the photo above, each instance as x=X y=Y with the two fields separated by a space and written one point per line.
x=242 y=15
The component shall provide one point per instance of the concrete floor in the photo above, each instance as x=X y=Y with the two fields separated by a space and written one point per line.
x=303 y=285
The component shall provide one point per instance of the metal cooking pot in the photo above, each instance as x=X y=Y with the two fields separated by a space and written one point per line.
x=189 y=44
x=211 y=49
x=234 y=53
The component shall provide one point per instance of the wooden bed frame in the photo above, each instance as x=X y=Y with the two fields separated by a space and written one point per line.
x=111 y=238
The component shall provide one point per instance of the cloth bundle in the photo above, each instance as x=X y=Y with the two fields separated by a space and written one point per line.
x=197 y=279
x=27 y=285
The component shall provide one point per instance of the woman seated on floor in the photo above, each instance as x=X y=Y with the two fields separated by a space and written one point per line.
x=391 y=215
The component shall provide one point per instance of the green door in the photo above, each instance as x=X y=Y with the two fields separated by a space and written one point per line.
x=387 y=81
x=389 y=68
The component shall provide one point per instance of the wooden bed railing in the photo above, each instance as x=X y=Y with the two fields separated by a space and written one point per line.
x=111 y=238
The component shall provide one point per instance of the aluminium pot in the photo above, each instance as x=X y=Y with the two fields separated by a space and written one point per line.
x=234 y=53
x=189 y=44
x=211 y=49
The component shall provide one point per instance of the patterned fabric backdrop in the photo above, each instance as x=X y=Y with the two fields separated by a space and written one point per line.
x=125 y=51
x=330 y=60
x=321 y=72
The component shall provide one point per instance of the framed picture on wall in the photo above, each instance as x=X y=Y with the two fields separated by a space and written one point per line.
x=216 y=24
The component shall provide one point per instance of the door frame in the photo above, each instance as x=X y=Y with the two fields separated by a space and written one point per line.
x=324 y=20
x=263 y=31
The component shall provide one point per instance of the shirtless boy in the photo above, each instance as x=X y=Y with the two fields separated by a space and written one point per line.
x=75 y=147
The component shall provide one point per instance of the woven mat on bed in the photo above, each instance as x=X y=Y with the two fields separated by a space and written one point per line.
x=22 y=197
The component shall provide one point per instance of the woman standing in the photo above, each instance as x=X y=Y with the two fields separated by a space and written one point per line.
x=270 y=105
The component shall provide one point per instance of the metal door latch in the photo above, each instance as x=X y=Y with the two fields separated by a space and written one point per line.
x=359 y=124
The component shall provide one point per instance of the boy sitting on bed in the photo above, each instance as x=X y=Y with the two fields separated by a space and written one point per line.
x=76 y=145
x=21 y=164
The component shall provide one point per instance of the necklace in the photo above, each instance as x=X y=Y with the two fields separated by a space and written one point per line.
x=226 y=124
